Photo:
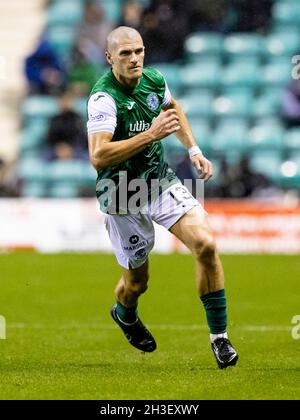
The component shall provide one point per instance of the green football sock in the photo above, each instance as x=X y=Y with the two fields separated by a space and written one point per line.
x=128 y=315
x=215 y=307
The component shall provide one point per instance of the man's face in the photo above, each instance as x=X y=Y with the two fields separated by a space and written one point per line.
x=127 y=59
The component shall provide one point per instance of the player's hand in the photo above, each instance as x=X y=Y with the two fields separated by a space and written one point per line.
x=165 y=124
x=203 y=166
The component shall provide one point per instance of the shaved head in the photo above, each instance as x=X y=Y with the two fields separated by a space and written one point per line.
x=120 y=35
x=125 y=53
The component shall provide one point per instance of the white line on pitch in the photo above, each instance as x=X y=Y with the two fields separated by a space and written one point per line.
x=189 y=327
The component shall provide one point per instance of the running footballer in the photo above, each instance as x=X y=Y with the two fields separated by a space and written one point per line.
x=131 y=112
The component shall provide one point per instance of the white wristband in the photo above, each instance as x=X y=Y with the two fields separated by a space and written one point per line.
x=195 y=150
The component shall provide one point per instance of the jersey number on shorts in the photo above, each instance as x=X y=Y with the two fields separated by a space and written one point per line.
x=185 y=195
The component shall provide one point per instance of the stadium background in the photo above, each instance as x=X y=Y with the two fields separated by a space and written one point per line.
x=233 y=66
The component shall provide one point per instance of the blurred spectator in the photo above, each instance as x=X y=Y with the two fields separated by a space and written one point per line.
x=240 y=181
x=164 y=28
x=207 y=15
x=225 y=178
x=93 y=31
x=9 y=183
x=185 y=171
x=44 y=70
x=82 y=73
x=67 y=137
x=251 y=15
x=251 y=181
x=132 y=13
x=291 y=104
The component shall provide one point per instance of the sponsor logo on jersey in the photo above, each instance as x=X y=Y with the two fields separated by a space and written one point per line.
x=139 y=126
x=134 y=239
x=98 y=117
x=141 y=253
x=142 y=244
x=153 y=101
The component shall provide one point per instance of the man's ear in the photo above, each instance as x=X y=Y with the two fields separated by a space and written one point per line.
x=109 y=58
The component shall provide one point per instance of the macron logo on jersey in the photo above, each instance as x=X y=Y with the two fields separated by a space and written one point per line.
x=131 y=105
x=98 y=97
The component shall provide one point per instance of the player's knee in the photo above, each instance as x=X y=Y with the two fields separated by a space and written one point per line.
x=143 y=288
x=205 y=249
x=138 y=287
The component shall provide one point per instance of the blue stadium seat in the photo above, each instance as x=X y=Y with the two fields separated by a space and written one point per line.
x=198 y=46
x=292 y=139
x=242 y=60
x=113 y=10
x=170 y=73
x=33 y=136
x=230 y=137
x=241 y=44
x=266 y=137
x=66 y=171
x=64 y=12
x=198 y=105
x=268 y=103
x=270 y=120
x=287 y=12
x=33 y=169
x=296 y=157
x=202 y=132
x=88 y=174
x=268 y=163
x=63 y=190
x=276 y=74
x=81 y=107
x=62 y=38
x=173 y=146
x=243 y=74
x=206 y=74
x=34 y=189
x=278 y=28
x=234 y=104
x=39 y=107
x=284 y=43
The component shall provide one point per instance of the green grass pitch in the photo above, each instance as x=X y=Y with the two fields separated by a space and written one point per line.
x=62 y=344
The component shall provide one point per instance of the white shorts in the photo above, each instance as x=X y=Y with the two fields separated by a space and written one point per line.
x=132 y=235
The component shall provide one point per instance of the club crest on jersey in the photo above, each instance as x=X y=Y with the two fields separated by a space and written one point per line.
x=153 y=101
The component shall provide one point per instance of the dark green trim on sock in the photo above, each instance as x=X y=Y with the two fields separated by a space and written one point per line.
x=215 y=307
x=128 y=315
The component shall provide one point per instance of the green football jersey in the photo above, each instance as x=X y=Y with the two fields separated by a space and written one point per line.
x=135 y=110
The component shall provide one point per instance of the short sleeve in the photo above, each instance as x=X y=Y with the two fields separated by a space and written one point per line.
x=168 y=97
x=102 y=113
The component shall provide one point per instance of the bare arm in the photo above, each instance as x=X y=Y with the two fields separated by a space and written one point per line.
x=186 y=137
x=185 y=134
x=103 y=152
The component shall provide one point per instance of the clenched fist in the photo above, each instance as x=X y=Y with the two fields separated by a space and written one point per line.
x=203 y=166
x=165 y=124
